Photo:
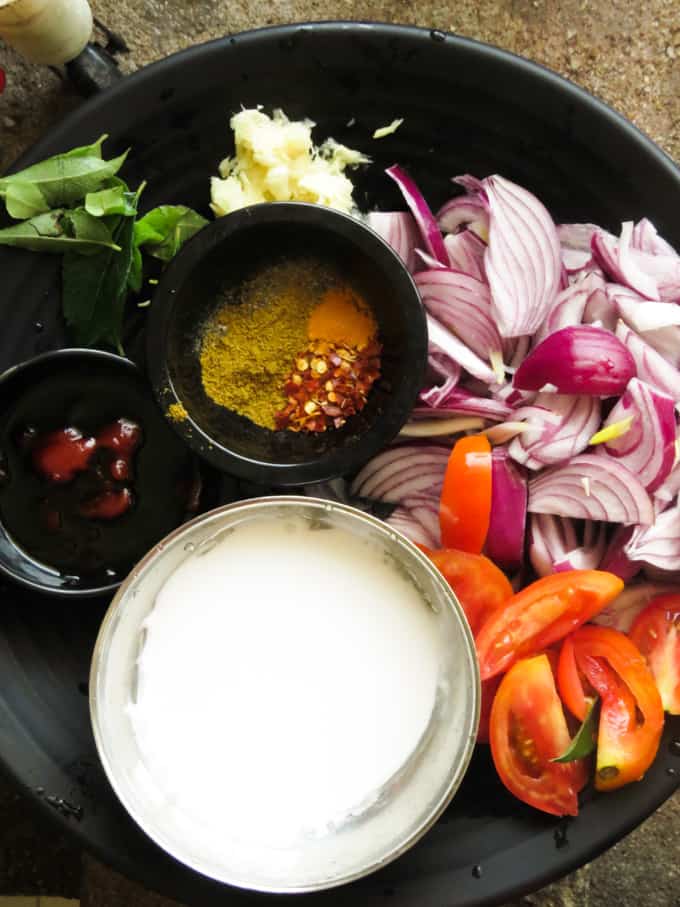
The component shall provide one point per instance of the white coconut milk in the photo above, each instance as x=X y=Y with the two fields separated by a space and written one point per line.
x=286 y=676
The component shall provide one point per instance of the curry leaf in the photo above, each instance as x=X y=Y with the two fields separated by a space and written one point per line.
x=113 y=200
x=136 y=274
x=67 y=178
x=164 y=230
x=24 y=200
x=55 y=232
x=585 y=739
x=95 y=288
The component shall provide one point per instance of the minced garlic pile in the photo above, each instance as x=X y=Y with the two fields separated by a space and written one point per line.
x=277 y=161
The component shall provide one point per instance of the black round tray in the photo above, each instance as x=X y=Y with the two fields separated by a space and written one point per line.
x=467 y=108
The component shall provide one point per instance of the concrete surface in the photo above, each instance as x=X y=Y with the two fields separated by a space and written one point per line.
x=625 y=53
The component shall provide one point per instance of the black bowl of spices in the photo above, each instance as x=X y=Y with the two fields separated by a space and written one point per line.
x=287 y=343
x=91 y=477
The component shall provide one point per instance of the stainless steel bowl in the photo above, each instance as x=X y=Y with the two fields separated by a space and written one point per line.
x=403 y=809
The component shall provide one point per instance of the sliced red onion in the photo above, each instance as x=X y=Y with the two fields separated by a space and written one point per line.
x=550 y=539
x=404 y=521
x=648 y=446
x=466 y=253
x=443 y=366
x=522 y=261
x=579 y=236
x=560 y=428
x=582 y=359
x=459 y=401
x=568 y=310
x=664 y=270
x=646 y=239
x=642 y=314
x=429 y=262
x=622 y=611
x=658 y=544
x=591 y=488
x=403 y=470
x=431 y=235
x=666 y=341
x=505 y=537
x=574 y=260
x=445 y=342
x=668 y=490
x=464 y=211
x=615 y=559
x=587 y=556
x=399 y=230
x=425 y=509
x=651 y=365
x=617 y=260
x=463 y=305
x=600 y=308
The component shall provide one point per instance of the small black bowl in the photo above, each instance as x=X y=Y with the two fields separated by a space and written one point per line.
x=230 y=250
x=86 y=389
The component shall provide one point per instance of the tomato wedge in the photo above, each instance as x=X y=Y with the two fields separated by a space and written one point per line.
x=527 y=730
x=489 y=690
x=541 y=614
x=480 y=586
x=465 y=504
x=631 y=713
x=656 y=633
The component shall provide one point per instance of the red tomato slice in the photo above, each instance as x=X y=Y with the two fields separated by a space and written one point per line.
x=631 y=713
x=465 y=504
x=541 y=614
x=528 y=729
x=480 y=586
x=656 y=633
x=489 y=690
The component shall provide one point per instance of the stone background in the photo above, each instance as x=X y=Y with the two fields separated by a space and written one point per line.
x=625 y=53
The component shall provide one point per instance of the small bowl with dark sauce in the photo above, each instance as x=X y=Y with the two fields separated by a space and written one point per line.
x=287 y=343
x=91 y=476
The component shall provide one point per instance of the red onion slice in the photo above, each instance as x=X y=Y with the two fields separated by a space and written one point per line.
x=463 y=305
x=615 y=257
x=434 y=244
x=648 y=446
x=550 y=538
x=507 y=524
x=522 y=261
x=646 y=239
x=445 y=342
x=591 y=488
x=466 y=253
x=615 y=559
x=651 y=365
x=561 y=427
x=622 y=611
x=582 y=359
x=659 y=544
x=587 y=556
x=406 y=522
x=406 y=469
x=457 y=401
x=399 y=230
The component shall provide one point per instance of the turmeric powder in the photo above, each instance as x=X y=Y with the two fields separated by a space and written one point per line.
x=342 y=317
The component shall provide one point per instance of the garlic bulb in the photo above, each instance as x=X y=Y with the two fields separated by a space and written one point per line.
x=46 y=31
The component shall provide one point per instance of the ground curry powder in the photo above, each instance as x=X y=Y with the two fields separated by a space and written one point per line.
x=248 y=344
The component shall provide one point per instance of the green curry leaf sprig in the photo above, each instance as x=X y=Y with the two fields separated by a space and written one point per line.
x=75 y=204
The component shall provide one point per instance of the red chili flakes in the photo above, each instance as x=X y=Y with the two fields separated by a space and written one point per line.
x=328 y=383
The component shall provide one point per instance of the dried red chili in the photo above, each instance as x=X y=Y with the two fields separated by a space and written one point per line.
x=328 y=383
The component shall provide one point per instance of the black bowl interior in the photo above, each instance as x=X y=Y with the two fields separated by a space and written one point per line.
x=233 y=249
x=89 y=390
x=467 y=108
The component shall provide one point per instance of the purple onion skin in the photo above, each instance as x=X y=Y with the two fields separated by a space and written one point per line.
x=581 y=359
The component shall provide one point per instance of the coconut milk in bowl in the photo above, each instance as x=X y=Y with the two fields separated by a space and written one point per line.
x=285 y=694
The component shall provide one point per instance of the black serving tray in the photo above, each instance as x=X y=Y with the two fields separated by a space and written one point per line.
x=466 y=108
